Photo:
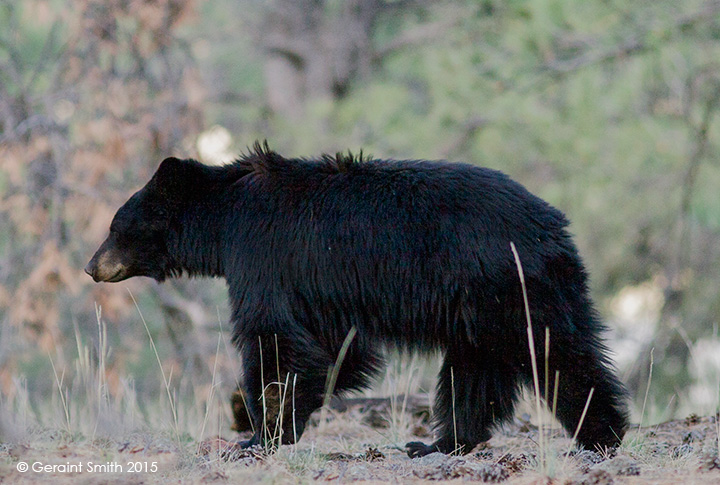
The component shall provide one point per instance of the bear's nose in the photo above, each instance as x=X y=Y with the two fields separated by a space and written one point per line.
x=90 y=270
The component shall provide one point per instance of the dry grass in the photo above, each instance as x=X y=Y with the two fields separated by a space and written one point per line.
x=82 y=422
x=347 y=449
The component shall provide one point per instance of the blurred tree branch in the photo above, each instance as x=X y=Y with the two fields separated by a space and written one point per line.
x=417 y=35
x=671 y=338
x=699 y=150
x=634 y=44
x=315 y=49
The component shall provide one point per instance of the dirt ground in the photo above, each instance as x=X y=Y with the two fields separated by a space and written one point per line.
x=362 y=443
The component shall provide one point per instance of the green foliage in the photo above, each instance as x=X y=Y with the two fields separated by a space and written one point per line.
x=607 y=109
x=596 y=106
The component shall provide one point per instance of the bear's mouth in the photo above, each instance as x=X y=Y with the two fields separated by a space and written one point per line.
x=100 y=276
x=119 y=275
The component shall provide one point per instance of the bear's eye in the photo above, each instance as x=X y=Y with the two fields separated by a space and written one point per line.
x=160 y=212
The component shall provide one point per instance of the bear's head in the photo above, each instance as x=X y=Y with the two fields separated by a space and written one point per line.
x=137 y=243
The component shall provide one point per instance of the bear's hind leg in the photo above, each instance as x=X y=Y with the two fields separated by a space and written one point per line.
x=577 y=353
x=485 y=389
x=583 y=366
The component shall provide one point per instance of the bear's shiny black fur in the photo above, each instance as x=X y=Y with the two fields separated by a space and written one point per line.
x=413 y=255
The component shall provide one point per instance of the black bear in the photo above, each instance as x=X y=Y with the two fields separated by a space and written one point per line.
x=409 y=254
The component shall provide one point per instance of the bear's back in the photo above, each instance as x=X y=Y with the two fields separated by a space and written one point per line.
x=425 y=209
x=334 y=240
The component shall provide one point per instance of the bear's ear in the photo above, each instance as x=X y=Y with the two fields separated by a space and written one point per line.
x=175 y=177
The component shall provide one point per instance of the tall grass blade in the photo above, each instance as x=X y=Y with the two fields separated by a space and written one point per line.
x=166 y=380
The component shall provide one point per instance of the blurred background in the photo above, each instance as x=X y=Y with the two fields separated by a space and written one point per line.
x=608 y=109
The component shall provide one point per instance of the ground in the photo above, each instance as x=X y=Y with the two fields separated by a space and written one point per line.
x=363 y=443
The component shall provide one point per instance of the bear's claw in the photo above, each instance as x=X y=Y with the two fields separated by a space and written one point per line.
x=416 y=449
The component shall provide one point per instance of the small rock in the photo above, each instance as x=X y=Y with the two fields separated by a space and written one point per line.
x=433 y=459
x=620 y=465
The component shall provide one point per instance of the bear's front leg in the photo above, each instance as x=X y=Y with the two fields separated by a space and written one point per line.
x=283 y=383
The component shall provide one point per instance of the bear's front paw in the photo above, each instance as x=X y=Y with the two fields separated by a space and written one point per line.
x=229 y=450
x=416 y=449
x=244 y=444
